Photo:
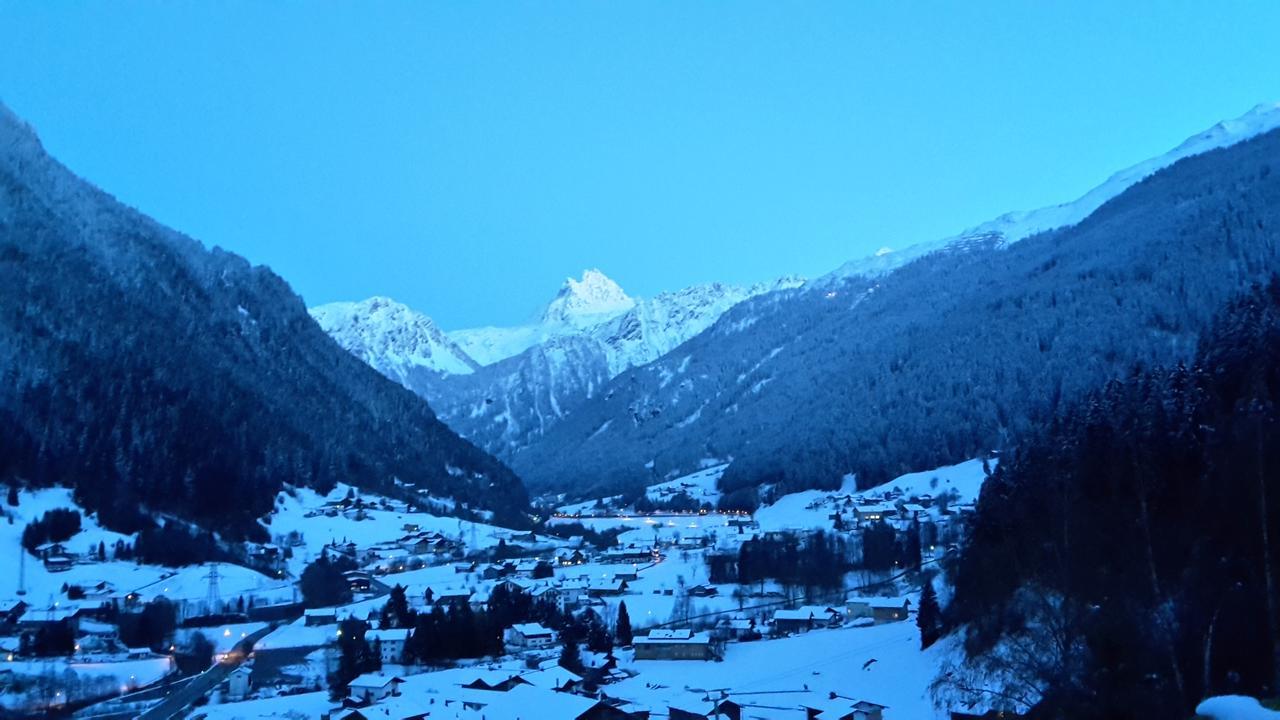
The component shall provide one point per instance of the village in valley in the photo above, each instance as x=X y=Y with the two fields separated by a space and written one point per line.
x=366 y=605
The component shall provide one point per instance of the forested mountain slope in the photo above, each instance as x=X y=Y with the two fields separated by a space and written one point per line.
x=1123 y=562
x=157 y=376
x=950 y=356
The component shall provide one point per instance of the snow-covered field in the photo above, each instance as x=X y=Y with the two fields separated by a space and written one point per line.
x=302 y=511
x=773 y=678
x=1234 y=707
x=19 y=572
x=811 y=509
x=964 y=478
x=701 y=486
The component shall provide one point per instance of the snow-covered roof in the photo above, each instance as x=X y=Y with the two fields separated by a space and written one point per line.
x=388 y=635
x=374 y=680
x=530 y=629
x=674 y=637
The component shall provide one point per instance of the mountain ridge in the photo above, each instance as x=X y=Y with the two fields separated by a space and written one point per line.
x=888 y=373
x=158 y=376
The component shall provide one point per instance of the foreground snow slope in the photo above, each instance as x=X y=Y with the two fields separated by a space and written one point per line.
x=882 y=664
x=1235 y=707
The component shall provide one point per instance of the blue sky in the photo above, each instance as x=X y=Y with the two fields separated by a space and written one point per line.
x=466 y=157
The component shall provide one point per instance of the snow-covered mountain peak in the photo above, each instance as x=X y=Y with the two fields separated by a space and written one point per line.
x=392 y=337
x=588 y=301
x=1015 y=226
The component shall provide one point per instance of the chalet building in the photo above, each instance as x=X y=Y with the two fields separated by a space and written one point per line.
x=267 y=555
x=320 y=616
x=416 y=544
x=629 y=555
x=737 y=628
x=238 y=683
x=371 y=687
x=528 y=636
x=674 y=645
x=549 y=594
x=532 y=568
x=837 y=707
x=703 y=591
x=35 y=620
x=494 y=681
x=59 y=563
x=888 y=613
x=857 y=609
x=574 y=558
x=914 y=511
x=866 y=514
x=725 y=709
x=358 y=580
x=607 y=588
x=806 y=618
x=11 y=610
x=390 y=643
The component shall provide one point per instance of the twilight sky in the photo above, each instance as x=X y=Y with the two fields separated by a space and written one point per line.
x=466 y=157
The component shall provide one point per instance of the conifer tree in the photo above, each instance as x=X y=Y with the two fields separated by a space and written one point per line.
x=623 y=631
x=929 y=616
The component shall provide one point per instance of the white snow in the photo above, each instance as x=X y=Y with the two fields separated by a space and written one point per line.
x=588 y=301
x=630 y=331
x=391 y=337
x=776 y=677
x=1235 y=707
x=700 y=485
x=964 y=478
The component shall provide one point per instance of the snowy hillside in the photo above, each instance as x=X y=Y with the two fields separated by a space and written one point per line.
x=1014 y=226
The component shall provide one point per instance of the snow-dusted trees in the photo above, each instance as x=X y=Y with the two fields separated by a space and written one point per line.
x=1122 y=561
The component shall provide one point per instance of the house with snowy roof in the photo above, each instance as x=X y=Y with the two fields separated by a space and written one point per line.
x=528 y=636
x=683 y=644
x=371 y=687
x=390 y=643
x=837 y=707
x=806 y=617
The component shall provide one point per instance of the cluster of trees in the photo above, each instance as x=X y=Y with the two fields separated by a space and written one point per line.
x=151 y=626
x=1123 y=563
x=356 y=656
x=945 y=359
x=678 y=502
x=176 y=546
x=56 y=525
x=816 y=561
x=50 y=640
x=884 y=548
x=459 y=631
x=323 y=583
